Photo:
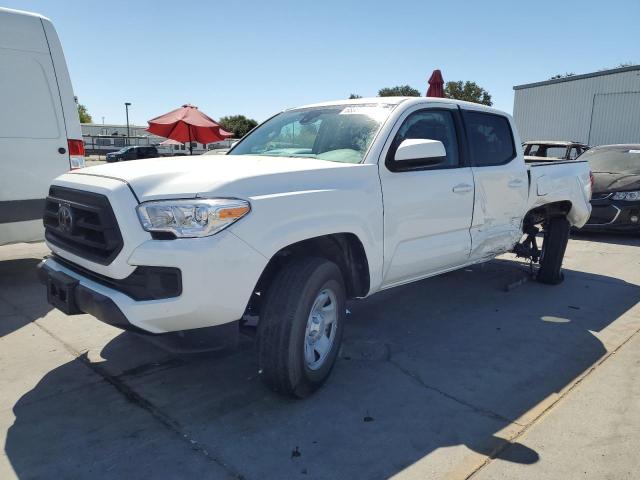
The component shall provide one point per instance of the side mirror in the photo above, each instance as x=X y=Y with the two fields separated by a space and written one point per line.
x=431 y=152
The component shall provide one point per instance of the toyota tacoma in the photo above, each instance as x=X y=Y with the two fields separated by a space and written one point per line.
x=317 y=205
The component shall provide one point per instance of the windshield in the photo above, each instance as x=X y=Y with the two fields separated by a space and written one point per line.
x=618 y=159
x=124 y=149
x=340 y=133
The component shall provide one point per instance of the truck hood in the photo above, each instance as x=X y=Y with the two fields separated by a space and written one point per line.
x=614 y=182
x=221 y=175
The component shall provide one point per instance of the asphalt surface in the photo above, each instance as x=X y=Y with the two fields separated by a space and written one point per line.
x=477 y=373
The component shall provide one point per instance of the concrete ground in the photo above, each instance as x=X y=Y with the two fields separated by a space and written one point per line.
x=451 y=377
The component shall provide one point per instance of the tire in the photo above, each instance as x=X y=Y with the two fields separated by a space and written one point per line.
x=286 y=330
x=556 y=237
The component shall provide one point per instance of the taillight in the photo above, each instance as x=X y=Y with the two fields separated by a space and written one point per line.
x=76 y=153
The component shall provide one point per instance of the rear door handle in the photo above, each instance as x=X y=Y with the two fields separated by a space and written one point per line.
x=515 y=183
x=462 y=188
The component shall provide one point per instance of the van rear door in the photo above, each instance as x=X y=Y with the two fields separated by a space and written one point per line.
x=33 y=132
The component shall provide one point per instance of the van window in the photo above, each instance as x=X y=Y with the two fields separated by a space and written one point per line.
x=490 y=138
x=27 y=109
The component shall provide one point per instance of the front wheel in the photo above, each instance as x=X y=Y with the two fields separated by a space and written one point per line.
x=556 y=237
x=300 y=328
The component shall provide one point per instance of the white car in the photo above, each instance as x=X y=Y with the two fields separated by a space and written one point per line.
x=40 y=136
x=317 y=205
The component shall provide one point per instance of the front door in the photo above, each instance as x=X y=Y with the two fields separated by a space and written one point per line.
x=427 y=208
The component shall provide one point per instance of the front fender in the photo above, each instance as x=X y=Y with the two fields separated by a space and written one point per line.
x=282 y=219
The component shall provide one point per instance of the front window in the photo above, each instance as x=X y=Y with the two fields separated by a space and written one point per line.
x=340 y=133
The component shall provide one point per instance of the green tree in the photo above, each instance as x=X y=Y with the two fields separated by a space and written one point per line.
x=83 y=114
x=467 y=91
x=353 y=96
x=399 y=91
x=238 y=124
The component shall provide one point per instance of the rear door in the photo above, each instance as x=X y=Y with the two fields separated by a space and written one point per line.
x=501 y=181
x=427 y=208
x=33 y=138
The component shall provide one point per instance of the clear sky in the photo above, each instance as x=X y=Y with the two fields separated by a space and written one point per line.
x=258 y=57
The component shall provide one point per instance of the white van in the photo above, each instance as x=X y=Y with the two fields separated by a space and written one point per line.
x=40 y=136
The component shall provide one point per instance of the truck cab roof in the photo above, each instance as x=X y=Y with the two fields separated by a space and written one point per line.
x=399 y=100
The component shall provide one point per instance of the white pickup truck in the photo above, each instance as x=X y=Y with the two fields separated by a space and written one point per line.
x=317 y=205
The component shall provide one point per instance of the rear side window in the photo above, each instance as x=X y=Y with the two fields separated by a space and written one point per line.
x=490 y=139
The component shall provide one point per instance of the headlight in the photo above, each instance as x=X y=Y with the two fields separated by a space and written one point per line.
x=199 y=217
x=628 y=196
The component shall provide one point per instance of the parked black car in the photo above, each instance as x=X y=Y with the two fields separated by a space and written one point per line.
x=616 y=190
x=132 y=153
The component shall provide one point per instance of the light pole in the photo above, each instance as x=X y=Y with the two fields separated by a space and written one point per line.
x=126 y=107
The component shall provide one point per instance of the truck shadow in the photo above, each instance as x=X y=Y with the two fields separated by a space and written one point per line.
x=446 y=362
x=19 y=286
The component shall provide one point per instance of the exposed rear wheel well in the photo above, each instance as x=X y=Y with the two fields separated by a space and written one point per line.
x=545 y=212
x=343 y=249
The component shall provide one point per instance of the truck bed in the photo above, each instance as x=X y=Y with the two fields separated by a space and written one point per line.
x=556 y=181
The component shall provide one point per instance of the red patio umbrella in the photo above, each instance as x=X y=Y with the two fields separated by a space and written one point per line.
x=188 y=124
x=436 y=85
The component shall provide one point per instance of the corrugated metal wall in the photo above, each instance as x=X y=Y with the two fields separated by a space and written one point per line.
x=615 y=118
x=581 y=109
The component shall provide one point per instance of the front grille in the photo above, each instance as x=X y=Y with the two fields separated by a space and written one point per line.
x=82 y=223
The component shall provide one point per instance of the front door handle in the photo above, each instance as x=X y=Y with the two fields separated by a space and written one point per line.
x=462 y=188
x=515 y=183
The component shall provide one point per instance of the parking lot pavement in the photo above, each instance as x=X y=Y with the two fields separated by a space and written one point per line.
x=445 y=378
x=592 y=433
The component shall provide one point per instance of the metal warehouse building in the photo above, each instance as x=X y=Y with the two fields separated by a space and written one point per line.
x=596 y=108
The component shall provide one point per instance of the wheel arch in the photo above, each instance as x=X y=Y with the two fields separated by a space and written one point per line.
x=344 y=249
x=539 y=214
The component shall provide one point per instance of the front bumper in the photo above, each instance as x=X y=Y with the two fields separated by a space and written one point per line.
x=218 y=275
x=613 y=215
x=79 y=298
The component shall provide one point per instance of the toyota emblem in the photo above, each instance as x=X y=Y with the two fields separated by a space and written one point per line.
x=65 y=218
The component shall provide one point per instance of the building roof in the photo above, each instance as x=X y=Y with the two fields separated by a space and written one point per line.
x=578 y=77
